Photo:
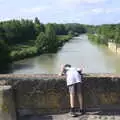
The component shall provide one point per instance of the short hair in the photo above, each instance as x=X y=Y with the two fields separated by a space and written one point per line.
x=67 y=65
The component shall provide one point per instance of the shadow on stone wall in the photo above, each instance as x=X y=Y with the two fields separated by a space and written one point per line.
x=37 y=117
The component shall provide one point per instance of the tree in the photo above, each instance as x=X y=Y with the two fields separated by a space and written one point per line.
x=41 y=42
x=15 y=31
x=28 y=31
x=51 y=38
x=2 y=33
x=39 y=27
x=71 y=33
x=5 y=58
x=37 y=20
x=117 y=36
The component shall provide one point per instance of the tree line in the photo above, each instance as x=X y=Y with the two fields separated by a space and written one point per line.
x=24 y=38
x=104 y=33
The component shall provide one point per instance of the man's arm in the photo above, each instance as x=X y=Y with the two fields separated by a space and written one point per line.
x=61 y=70
x=79 y=70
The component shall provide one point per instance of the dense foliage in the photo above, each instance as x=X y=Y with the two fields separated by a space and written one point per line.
x=51 y=38
x=4 y=56
x=27 y=38
x=104 y=33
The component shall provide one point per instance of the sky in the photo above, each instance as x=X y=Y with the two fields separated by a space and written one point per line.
x=62 y=11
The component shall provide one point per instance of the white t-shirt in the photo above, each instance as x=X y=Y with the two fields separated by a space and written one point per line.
x=73 y=76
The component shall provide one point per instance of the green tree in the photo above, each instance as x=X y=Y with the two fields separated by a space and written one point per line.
x=15 y=31
x=2 y=36
x=41 y=42
x=37 y=20
x=71 y=33
x=39 y=27
x=51 y=38
x=117 y=36
x=4 y=56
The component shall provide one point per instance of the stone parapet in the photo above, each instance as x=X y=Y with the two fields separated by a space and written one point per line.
x=41 y=94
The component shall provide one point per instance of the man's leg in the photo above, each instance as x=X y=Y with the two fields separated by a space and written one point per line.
x=80 y=97
x=72 y=100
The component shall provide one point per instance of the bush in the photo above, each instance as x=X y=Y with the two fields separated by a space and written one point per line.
x=26 y=52
x=5 y=55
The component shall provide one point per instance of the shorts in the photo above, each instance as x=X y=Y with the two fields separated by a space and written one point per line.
x=75 y=88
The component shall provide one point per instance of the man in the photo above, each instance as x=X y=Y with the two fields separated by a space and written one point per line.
x=74 y=83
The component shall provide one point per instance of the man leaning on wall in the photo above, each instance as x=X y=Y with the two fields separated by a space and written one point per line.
x=74 y=83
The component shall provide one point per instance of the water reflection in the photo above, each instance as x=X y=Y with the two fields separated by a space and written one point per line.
x=46 y=62
x=112 y=60
x=78 y=52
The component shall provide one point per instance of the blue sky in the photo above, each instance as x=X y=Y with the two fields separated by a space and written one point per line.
x=62 y=11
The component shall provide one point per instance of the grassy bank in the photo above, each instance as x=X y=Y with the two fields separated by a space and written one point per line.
x=97 y=39
x=63 y=39
x=29 y=49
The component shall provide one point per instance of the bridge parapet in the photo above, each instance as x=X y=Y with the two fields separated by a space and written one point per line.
x=41 y=94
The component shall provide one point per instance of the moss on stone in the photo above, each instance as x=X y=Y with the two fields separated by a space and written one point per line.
x=4 y=107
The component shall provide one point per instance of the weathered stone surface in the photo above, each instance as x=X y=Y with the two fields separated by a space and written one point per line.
x=7 y=105
x=42 y=96
x=102 y=92
x=38 y=94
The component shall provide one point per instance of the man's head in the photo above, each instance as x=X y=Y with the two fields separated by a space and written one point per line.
x=66 y=68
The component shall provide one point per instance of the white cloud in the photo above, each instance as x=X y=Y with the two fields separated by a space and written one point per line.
x=34 y=9
x=73 y=3
x=93 y=1
x=97 y=10
x=105 y=10
x=81 y=1
x=111 y=10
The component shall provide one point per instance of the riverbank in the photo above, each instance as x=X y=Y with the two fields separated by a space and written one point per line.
x=79 y=51
x=26 y=50
x=114 y=47
x=97 y=39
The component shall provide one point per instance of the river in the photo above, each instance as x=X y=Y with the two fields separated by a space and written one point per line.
x=79 y=52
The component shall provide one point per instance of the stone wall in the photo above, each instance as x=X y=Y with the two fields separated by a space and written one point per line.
x=114 y=48
x=41 y=94
x=7 y=103
x=118 y=51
